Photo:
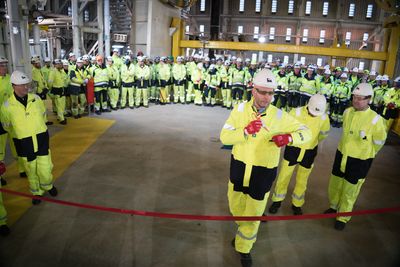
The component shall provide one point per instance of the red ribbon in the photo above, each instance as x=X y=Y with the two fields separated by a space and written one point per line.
x=204 y=217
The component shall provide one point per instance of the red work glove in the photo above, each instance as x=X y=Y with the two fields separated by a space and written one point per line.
x=2 y=168
x=282 y=139
x=253 y=127
x=391 y=106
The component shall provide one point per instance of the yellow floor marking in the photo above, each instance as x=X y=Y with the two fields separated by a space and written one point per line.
x=66 y=146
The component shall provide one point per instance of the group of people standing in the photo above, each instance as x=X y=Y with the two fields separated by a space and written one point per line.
x=258 y=130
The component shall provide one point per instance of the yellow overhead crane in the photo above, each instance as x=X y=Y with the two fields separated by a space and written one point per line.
x=388 y=57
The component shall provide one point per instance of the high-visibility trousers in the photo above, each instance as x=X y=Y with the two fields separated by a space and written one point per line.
x=243 y=205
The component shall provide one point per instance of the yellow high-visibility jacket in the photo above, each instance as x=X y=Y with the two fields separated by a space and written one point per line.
x=259 y=150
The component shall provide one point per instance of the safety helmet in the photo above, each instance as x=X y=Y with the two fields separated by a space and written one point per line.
x=79 y=60
x=85 y=57
x=297 y=66
x=345 y=69
x=115 y=50
x=265 y=78
x=327 y=72
x=227 y=63
x=397 y=79
x=2 y=168
x=355 y=69
x=163 y=58
x=343 y=75
x=233 y=58
x=363 y=89
x=64 y=62
x=110 y=59
x=207 y=59
x=372 y=73
x=310 y=67
x=18 y=78
x=47 y=59
x=200 y=65
x=327 y=67
x=35 y=59
x=127 y=57
x=385 y=78
x=219 y=58
x=99 y=57
x=211 y=67
x=57 y=61
x=239 y=60
x=179 y=59
x=253 y=62
x=139 y=58
x=247 y=60
x=71 y=55
x=379 y=77
x=317 y=105
x=3 y=60
x=267 y=66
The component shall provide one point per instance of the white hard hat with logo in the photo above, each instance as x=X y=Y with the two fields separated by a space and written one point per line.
x=265 y=78
x=317 y=105
x=3 y=60
x=363 y=89
x=19 y=78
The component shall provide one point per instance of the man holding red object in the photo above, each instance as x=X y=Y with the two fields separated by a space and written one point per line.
x=256 y=130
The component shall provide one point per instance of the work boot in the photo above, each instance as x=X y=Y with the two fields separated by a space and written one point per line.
x=76 y=117
x=98 y=112
x=330 y=210
x=339 y=225
x=297 y=210
x=22 y=175
x=275 y=207
x=246 y=260
x=53 y=191
x=49 y=123
x=4 y=230
x=3 y=181
x=64 y=122
x=36 y=201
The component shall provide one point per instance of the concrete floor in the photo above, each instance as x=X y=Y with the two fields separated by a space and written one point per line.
x=168 y=159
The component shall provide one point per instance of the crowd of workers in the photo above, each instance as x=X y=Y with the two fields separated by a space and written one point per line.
x=129 y=82
x=301 y=101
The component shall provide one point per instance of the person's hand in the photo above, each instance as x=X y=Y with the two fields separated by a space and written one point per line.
x=391 y=106
x=2 y=168
x=282 y=139
x=253 y=127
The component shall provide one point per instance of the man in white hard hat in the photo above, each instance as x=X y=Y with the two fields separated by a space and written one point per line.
x=179 y=75
x=142 y=76
x=257 y=130
x=22 y=115
x=363 y=136
x=379 y=92
x=314 y=116
x=340 y=100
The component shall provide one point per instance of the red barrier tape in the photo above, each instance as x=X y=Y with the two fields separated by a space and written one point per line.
x=203 y=217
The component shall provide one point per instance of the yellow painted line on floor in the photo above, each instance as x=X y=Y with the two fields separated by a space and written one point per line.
x=66 y=146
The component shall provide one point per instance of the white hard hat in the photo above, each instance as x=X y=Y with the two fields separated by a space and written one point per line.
x=115 y=50
x=327 y=67
x=345 y=69
x=379 y=77
x=343 y=75
x=139 y=58
x=265 y=78
x=355 y=69
x=247 y=60
x=397 y=79
x=233 y=58
x=207 y=59
x=372 y=73
x=57 y=61
x=179 y=59
x=79 y=60
x=110 y=59
x=239 y=59
x=65 y=62
x=310 y=67
x=327 y=72
x=317 y=105
x=85 y=57
x=127 y=57
x=297 y=66
x=385 y=78
x=211 y=67
x=200 y=65
x=71 y=54
x=363 y=89
x=227 y=63
x=47 y=59
x=196 y=56
x=3 y=60
x=18 y=78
